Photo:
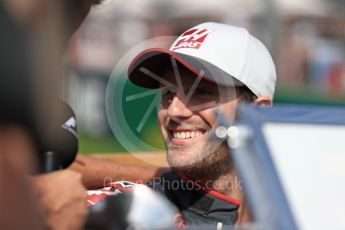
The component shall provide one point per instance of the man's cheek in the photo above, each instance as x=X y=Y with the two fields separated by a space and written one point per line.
x=228 y=111
x=164 y=131
x=165 y=134
x=209 y=116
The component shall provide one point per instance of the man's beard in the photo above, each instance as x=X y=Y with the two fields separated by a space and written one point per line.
x=214 y=161
x=204 y=159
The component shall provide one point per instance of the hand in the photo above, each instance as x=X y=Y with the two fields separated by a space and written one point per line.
x=62 y=198
x=97 y=172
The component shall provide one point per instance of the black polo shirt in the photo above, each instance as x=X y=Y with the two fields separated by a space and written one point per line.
x=197 y=204
x=198 y=207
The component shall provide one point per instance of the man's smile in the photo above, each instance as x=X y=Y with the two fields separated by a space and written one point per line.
x=181 y=136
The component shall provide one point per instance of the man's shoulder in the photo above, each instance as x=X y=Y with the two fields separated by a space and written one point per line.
x=158 y=184
x=164 y=179
x=110 y=189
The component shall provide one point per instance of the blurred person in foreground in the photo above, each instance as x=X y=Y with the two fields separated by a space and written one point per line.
x=53 y=200
x=60 y=195
x=210 y=68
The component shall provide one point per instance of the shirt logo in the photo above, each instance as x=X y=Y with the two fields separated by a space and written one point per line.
x=192 y=38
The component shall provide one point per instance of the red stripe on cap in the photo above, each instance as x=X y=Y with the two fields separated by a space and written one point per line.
x=185 y=64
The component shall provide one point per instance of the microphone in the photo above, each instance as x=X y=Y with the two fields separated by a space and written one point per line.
x=59 y=146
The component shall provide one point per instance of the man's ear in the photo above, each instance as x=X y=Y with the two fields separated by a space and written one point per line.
x=262 y=100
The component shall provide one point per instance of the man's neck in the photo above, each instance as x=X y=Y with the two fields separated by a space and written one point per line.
x=227 y=184
x=222 y=179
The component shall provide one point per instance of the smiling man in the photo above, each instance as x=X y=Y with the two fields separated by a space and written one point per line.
x=210 y=68
x=187 y=122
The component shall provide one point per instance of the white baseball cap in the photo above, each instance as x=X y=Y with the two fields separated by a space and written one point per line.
x=219 y=53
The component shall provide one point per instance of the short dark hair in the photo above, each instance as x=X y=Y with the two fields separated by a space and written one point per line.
x=246 y=94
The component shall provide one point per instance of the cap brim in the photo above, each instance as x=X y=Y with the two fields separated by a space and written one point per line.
x=148 y=67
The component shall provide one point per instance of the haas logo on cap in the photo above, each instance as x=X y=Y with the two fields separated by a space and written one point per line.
x=192 y=38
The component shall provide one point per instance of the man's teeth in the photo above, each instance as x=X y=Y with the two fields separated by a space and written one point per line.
x=184 y=135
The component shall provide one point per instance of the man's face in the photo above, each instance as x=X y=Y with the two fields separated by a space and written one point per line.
x=187 y=118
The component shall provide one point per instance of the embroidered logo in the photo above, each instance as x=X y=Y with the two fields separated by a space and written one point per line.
x=192 y=38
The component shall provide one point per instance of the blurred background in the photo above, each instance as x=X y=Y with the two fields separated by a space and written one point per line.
x=306 y=39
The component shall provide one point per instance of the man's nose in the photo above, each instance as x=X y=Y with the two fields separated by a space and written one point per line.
x=179 y=108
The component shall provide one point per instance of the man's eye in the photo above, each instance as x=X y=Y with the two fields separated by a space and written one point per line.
x=168 y=92
x=204 y=92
